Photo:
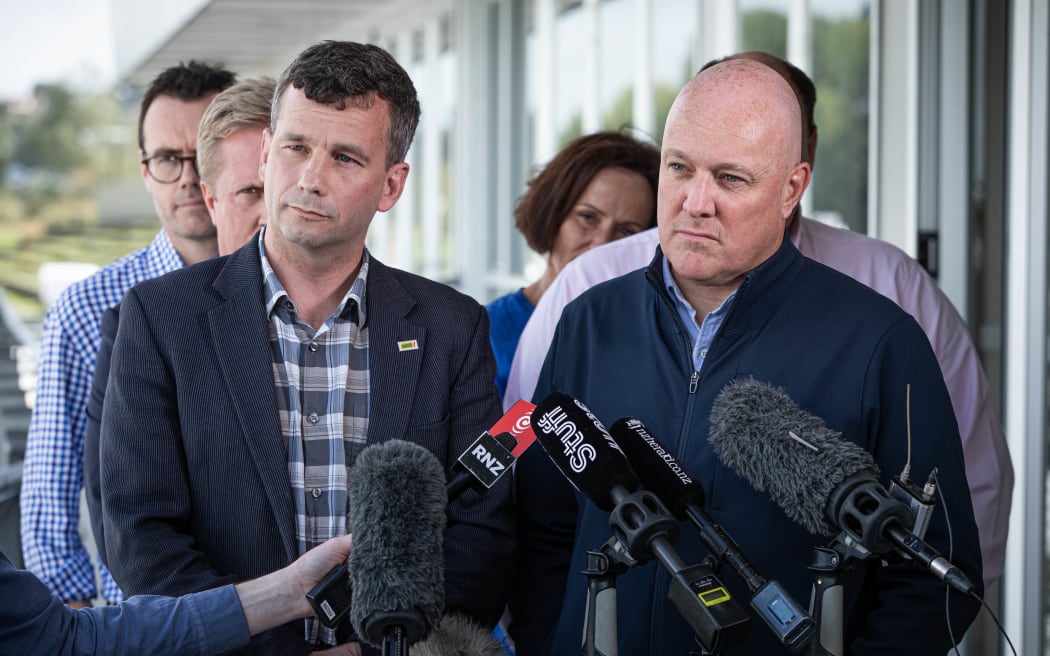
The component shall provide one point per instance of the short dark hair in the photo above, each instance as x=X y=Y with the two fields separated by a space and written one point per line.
x=335 y=72
x=185 y=81
x=553 y=191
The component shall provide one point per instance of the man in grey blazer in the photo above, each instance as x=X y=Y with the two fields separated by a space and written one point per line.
x=242 y=389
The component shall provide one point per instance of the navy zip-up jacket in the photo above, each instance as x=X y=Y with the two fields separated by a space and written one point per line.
x=843 y=353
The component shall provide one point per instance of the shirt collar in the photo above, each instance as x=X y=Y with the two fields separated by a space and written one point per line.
x=685 y=309
x=352 y=306
x=162 y=254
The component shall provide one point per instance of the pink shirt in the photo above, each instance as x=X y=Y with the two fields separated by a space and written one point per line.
x=877 y=264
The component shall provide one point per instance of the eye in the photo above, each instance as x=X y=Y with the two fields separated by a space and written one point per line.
x=295 y=148
x=588 y=217
x=250 y=190
x=346 y=159
x=627 y=231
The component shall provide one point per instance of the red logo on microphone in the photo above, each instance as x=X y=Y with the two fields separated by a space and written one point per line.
x=516 y=422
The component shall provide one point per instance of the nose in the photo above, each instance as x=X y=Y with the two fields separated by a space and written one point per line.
x=310 y=178
x=188 y=176
x=605 y=235
x=699 y=199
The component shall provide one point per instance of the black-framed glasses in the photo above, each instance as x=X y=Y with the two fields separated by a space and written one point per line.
x=168 y=168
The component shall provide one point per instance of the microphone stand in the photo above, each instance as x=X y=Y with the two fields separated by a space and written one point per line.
x=599 y=627
x=826 y=602
x=904 y=508
x=645 y=528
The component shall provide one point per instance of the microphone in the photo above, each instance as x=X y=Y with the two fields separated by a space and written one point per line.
x=494 y=452
x=480 y=466
x=583 y=450
x=821 y=481
x=397 y=517
x=662 y=474
x=458 y=635
x=590 y=459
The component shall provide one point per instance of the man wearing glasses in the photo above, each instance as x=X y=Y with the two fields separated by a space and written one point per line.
x=52 y=473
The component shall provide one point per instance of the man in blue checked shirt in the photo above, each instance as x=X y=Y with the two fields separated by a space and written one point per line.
x=52 y=475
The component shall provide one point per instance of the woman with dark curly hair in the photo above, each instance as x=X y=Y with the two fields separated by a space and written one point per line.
x=599 y=188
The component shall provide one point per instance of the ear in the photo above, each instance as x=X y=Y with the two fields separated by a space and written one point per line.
x=146 y=179
x=209 y=199
x=394 y=185
x=795 y=185
x=264 y=156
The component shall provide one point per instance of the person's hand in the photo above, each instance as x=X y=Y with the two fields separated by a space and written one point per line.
x=349 y=649
x=315 y=564
x=280 y=597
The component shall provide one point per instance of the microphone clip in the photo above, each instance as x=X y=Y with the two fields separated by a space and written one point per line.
x=637 y=519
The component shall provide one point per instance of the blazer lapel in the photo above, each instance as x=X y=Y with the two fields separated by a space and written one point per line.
x=239 y=330
x=395 y=354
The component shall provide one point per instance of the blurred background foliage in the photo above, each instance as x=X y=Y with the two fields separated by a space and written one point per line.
x=58 y=148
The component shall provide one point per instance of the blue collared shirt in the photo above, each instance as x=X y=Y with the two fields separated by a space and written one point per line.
x=700 y=335
x=53 y=472
x=34 y=621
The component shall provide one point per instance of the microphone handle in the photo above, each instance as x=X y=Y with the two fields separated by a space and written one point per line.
x=461 y=480
x=722 y=546
x=703 y=601
x=395 y=642
x=918 y=550
x=789 y=621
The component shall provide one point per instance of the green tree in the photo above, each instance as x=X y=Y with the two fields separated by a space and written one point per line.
x=764 y=29
x=841 y=72
x=51 y=139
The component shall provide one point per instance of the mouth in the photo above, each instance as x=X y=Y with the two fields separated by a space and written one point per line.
x=308 y=214
x=190 y=201
x=696 y=235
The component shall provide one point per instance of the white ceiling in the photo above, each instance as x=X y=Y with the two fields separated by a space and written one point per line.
x=254 y=37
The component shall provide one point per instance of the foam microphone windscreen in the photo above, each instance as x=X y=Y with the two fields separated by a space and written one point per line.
x=656 y=467
x=458 y=636
x=397 y=518
x=582 y=449
x=751 y=422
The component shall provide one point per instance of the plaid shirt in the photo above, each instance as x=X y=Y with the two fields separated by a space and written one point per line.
x=53 y=474
x=322 y=381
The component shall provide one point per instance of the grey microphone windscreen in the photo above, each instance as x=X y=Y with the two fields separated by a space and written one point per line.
x=458 y=636
x=751 y=422
x=397 y=518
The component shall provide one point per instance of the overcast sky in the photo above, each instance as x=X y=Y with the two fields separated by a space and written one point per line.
x=54 y=40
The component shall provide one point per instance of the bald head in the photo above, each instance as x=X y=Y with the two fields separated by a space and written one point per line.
x=752 y=96
x=731 y=176
x=804 y=89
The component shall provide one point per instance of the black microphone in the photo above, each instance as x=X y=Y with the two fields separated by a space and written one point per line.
x=494 y=452
x=397 y=517
x=821 y=481
x=484 y=462
x=661 y=473
x=590 y=459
